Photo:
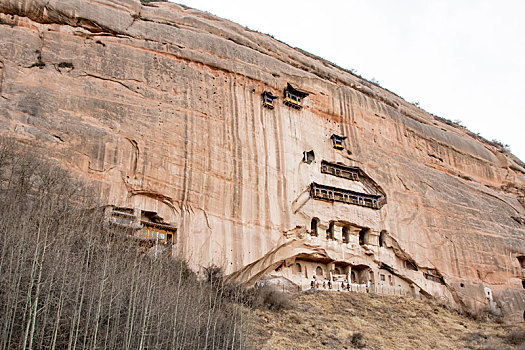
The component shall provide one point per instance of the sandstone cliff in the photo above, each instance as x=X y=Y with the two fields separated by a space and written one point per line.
x=161 y=105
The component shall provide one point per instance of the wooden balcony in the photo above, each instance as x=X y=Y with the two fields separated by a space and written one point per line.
x=333 y=194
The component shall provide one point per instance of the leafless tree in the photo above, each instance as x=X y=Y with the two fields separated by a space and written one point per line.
x=68 y=281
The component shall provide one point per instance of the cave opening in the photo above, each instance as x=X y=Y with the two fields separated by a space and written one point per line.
x=382 y=238
x=521 y=260
x=346 y=234
x=363 y=236
x=318 y=272
x=313 y=227
x=330 y=231
x=309 y=157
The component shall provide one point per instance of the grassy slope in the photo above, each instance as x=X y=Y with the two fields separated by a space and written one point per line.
x=329 y=320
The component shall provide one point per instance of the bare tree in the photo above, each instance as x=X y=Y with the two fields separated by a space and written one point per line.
x=67 y=281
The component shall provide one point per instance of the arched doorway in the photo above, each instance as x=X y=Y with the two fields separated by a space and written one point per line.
x=382 y=238
x=346 y=234
x=297 y=269
x=319 y=272
x=330 y=231
x=363 y=236
x=313 y=227
x=353 y=277
x=370 y=276
x=363 y=274
x=521 y=260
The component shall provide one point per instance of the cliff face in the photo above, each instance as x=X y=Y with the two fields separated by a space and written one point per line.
x=162 y=106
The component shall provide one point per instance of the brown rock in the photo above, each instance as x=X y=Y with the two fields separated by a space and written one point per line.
x=162 y=106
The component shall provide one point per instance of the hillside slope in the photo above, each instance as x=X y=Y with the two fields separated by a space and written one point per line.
x=333 y=320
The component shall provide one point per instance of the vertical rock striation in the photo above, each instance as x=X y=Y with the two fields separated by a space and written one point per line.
x=161 y=105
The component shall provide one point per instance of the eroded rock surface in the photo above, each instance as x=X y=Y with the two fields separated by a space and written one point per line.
x=162 y=106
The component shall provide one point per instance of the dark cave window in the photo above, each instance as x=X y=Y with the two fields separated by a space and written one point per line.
x=308 y=157
x=521 y=260
x=346 y=234
x=330 y=231
x=313 y=226
x=363 y=236
x=382 y=238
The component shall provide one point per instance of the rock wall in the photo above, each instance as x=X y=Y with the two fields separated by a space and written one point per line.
x=161 y=105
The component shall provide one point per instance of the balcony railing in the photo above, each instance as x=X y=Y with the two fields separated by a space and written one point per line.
x=333 y=194
x=345 y=172
x=434 y=278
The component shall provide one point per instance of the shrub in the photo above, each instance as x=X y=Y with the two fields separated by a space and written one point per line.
x=270 y=298
x=266 y=297
x=357 y=340
x=516 y=337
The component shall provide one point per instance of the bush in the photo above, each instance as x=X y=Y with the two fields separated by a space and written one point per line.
x=269 y=298
x=357 y=340
x=516 y=337
x=265 y=297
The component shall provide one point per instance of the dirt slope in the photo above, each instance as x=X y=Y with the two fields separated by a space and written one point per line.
x=334 y=320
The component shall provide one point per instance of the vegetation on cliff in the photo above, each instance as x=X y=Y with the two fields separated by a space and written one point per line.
x=67 y=281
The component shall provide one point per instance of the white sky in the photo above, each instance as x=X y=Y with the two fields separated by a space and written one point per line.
x=463 y=60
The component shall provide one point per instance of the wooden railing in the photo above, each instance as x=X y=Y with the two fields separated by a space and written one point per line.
x=344 y=196
x=362 y=288
x=434 y=278
x=354 y=174
x=340 y=171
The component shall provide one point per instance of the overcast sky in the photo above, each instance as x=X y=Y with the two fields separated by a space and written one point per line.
x=463 y=60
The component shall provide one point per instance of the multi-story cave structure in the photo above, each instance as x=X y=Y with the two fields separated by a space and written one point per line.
x=228 y=147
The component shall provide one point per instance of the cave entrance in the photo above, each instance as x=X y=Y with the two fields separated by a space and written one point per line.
x=353 y=277
x=382 y=238
x=308 y=157
x=363 y=236
x=297 y=269
x=330 y=231
x=346 y=234
x=521 y=260
x=363 y=274
x=341 y=270
x=313 y=227
x=319 y=272
x=409 y=265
